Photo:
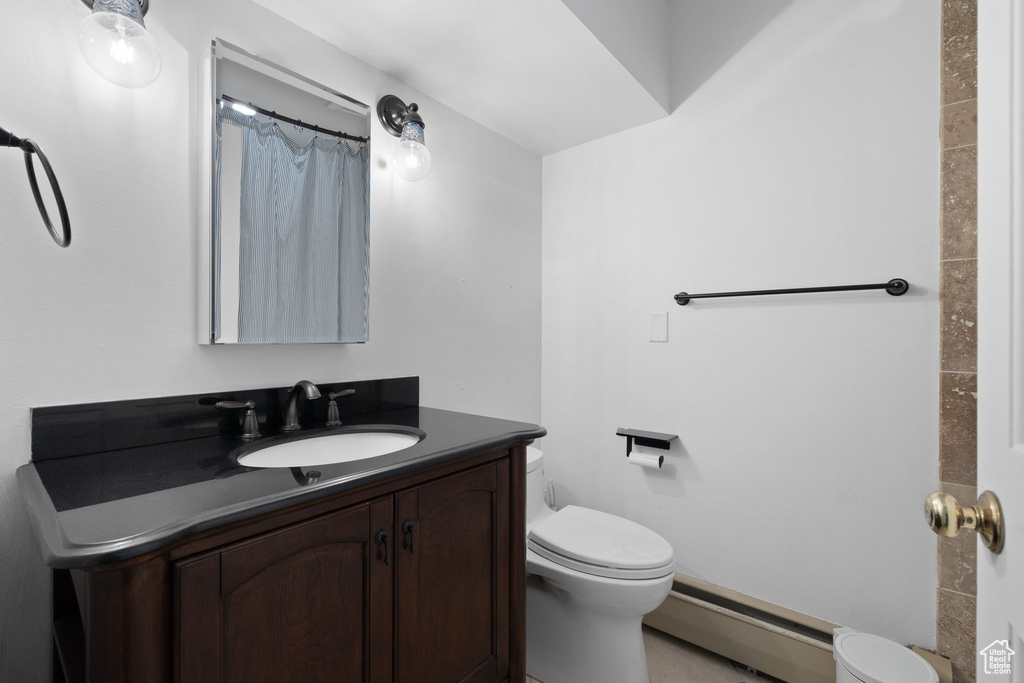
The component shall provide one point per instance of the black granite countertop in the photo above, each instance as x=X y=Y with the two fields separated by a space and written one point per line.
x=103 y=507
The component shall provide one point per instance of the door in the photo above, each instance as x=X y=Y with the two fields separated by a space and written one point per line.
x=310 y=602
x=1000 y=640
x=453 y=578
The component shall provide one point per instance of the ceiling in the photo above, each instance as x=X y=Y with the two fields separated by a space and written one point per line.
x=547 y=74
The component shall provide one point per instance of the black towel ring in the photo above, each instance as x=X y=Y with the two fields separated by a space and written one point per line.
x=29 y=148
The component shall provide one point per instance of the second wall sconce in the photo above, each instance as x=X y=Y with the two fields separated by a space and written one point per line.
x=411 y=158
x=115 y=43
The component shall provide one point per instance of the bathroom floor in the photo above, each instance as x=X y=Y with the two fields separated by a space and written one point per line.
x=670 y=660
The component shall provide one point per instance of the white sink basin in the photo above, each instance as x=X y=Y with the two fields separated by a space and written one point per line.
x=329 y=449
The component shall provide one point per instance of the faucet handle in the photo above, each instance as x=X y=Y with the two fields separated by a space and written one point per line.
x=340 y=394
x=333 y=416
x=234 y=405
x=250 y=423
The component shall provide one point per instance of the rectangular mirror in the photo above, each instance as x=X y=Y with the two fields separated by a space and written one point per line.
x=289 y=180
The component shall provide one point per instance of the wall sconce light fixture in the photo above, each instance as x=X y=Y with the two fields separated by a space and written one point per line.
x=411 y=158
x=116 y=44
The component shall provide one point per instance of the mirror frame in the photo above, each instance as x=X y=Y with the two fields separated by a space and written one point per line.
x=208 y=243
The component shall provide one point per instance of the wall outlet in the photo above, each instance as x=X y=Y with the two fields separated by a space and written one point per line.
x=657 y=328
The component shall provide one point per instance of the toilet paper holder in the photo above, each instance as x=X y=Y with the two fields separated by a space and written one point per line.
x=645 y=438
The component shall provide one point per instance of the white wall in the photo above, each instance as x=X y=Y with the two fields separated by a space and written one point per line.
x=808 y=424
x=705 y=35
x=637 y=33
x=455 y=265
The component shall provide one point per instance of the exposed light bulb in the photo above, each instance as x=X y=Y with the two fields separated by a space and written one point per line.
x=120 y=49
x=115 y=43
x=412 y=158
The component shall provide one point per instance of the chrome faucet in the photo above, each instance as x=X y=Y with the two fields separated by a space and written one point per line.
x=290 y=419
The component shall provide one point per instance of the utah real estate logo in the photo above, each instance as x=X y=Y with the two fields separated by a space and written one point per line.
x=998 y=657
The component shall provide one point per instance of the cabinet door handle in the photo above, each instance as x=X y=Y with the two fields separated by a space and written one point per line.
x=382 y=539
x=407 y=528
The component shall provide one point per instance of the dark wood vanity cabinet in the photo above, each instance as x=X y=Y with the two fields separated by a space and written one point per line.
x=324 y=597
x=452 y=597
x=306 y=603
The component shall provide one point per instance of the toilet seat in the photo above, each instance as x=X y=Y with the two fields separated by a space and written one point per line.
x=873 y=659
x=600 y=544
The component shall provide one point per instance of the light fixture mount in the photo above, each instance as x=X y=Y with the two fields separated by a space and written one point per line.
x=394 y=114
x=144 y=4
x=410 y=158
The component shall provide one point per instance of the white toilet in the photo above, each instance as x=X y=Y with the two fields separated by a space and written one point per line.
x=590 y=579
x=866 y=658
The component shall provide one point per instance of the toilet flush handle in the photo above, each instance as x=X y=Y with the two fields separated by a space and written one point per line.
x=946 y=517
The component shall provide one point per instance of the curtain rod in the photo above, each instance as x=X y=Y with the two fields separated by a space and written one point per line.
x=294 y=122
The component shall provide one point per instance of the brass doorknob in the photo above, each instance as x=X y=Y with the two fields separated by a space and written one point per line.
x=946 y=517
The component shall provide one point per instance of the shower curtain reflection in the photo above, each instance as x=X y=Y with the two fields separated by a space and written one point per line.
x=302 y=237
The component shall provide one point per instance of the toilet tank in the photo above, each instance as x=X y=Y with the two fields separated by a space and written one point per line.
x=536 y=507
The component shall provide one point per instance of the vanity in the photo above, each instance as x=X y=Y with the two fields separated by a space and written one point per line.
x=173 y=562
x=331 y=532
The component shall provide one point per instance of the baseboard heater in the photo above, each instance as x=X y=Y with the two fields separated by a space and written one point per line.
x=784 y=644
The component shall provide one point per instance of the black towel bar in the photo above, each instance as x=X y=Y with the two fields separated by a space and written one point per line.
x=895 y=287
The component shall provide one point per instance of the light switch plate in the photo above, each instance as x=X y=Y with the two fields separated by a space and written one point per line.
x=657 y=329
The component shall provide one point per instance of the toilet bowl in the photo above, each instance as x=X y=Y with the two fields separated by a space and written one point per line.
x=591 y=578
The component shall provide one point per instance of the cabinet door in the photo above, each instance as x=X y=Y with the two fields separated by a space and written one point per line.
x=453 y=578
x=311 y=602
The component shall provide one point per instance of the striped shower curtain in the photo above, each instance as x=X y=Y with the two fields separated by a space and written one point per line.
x=304 y=246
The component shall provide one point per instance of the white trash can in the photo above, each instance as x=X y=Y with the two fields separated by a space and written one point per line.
x=864 y=658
